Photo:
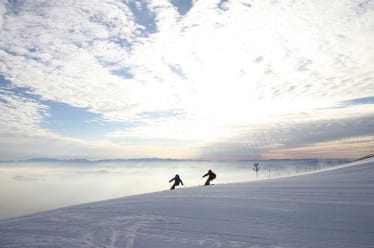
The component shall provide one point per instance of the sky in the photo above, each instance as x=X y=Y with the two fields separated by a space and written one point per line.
x=195 y=79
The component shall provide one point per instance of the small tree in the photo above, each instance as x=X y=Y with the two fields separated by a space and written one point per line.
x=256 y=168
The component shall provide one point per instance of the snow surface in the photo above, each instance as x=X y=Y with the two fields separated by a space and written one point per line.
x=329 y=209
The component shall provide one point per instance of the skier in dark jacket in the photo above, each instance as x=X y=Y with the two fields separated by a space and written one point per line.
x=177 y=180
x=211 y=176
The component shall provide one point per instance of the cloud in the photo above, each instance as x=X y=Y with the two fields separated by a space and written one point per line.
x=2 y=12
x=349 y=137
x=62 y=59
x=364 y=7
x=31 y=145
x=71 y=60
x=19 y=114
x=221 y=65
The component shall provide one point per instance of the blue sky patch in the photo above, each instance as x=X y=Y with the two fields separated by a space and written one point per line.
x=78 y=122
x=358 y=101
x=24 y=92
x=123 y=43
x=143 y=16
x=4 y=83
x=183 y=6
x=123 y=73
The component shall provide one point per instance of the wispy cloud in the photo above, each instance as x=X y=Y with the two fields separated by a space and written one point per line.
x=19 y=114
x=196 y=71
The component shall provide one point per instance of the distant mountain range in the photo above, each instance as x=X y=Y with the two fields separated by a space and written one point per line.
x=84 y=160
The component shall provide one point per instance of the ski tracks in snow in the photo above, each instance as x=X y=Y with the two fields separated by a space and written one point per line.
x=123 y=231
x=161 y=231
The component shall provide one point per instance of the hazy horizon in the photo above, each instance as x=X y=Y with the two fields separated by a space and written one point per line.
x=27 y=187
x=156 y=159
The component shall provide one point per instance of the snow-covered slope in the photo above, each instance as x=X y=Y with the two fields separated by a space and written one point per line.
x=328 y=209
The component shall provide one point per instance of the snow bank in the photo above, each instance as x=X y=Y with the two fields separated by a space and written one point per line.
x=328 y=209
